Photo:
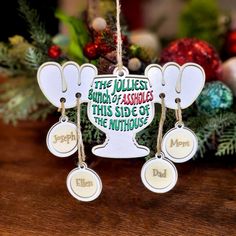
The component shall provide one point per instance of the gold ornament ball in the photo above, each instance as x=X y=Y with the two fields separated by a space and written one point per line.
x=229 y=74
x=99 y=24
x=134 y=64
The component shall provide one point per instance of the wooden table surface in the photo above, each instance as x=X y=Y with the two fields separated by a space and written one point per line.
x=34 y=199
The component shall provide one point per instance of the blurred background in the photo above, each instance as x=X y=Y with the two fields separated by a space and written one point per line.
x=149 y=12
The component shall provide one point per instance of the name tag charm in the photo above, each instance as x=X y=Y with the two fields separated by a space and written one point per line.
x=179 y=144
x=159 y=175
x=84 y=184
x=62 y=138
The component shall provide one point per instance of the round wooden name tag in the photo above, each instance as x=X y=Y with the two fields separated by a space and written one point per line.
x=84 y=184
x=159 y=175
x=62 y=138
x=179 y=144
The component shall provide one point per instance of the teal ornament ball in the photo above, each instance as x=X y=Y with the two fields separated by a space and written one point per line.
x=215 y=97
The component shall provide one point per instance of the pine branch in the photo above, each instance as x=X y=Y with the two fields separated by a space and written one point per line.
x=34 y=58
x=227 y=142
x=36 y=28
x=3 y=53
x=20 y=97
x=41 y=112
x=213 y=126
x=5 y=61
x=90 y=133
x=12 y=57
x=7 y=64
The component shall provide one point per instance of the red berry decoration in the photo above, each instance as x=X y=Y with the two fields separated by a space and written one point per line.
x=54 y=51
x=104 y=48
x=193 y=50
x=91 y=51
x=230 y=43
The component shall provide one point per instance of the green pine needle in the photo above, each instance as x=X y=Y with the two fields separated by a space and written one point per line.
x=90 y=133
x=227 y=142
x=34 y=58
x=36 y=28
x=212 y=128
x=22 y=99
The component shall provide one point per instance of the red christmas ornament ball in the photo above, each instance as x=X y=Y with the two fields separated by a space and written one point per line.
x=194 y=50
x=54 y=51
x=91 y=51
x=230 y=43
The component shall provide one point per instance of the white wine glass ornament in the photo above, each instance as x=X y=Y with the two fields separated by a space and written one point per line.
x=121 y=104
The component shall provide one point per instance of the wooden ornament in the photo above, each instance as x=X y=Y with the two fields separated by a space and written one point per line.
x=62 y=138
x=179 y=144
x=84 y=184
x=159 y=175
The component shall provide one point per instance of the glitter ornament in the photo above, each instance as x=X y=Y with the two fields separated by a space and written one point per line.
x=194 y=50
x=91 y=51
x=215 y=97
x=134 y=64
x=54 y=51
x=99 y=24
x=229 y=74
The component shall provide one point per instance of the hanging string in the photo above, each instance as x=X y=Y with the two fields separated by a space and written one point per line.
x=81 y=153
x=62 y=108
x=161 y=124
x=178 y=112
x=118 y=35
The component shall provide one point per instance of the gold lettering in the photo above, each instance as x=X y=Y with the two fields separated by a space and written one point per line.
x=158 y=173
x=64 y=138
x=178 y=143
x=83 y=183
